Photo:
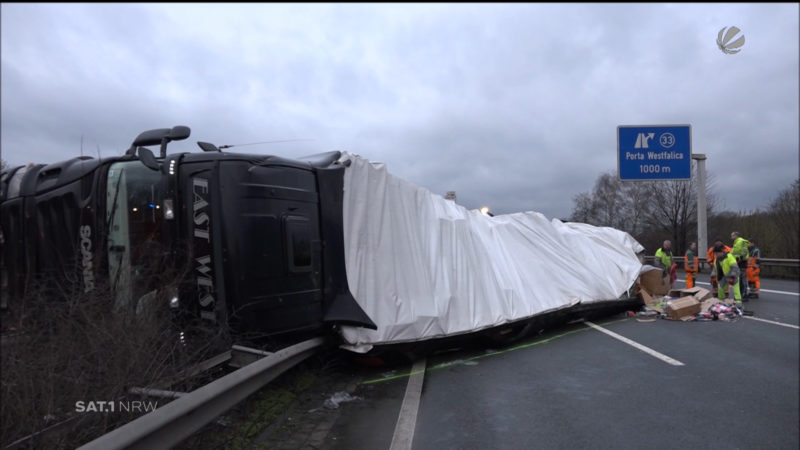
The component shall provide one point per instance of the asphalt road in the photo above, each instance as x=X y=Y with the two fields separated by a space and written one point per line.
x=735 y=386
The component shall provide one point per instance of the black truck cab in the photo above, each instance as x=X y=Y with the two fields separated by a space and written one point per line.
x=242 y=241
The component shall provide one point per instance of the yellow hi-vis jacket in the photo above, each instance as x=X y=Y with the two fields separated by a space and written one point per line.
x=728 y=266
x=664 y=257
x=739 y=249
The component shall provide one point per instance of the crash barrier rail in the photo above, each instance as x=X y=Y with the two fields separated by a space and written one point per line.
x=764 y=261
x=791 y=266
x=169 y=425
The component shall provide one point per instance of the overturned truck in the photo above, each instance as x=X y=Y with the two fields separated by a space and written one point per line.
x=321 y=244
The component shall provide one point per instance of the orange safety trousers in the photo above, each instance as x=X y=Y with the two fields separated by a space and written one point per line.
x=752 y=272
x=690 y=280
x=691 y=272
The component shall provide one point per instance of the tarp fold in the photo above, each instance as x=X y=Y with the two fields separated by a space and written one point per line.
x=423 y=267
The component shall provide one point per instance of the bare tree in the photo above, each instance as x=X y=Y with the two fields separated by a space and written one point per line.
x=584 y=210
x=636 y=207
x=605 y=206
x=650 y=211
x=608 y=193
x=674 y=209
x=785 y=211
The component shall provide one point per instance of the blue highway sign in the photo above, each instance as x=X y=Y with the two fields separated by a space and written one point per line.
x=654 y=152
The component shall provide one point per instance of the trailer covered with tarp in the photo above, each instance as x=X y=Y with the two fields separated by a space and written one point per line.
x=423 y=267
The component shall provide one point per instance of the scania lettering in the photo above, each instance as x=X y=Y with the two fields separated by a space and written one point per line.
x=86 y=252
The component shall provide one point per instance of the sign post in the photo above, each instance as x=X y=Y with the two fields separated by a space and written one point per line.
x=654 y=152
x=702 y=240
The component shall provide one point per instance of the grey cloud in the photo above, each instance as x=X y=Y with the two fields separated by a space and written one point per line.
x=512 y=105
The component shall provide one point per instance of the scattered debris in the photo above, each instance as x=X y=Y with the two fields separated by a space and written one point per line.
x=466 y=362
x=687 y=305
x=337 y=398
x=647 y=315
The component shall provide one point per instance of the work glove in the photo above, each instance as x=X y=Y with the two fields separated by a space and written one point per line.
x=731 y=280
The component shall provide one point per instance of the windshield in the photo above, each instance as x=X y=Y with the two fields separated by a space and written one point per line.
x=134 y=217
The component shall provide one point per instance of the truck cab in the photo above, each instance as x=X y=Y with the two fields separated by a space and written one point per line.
x=250 y=243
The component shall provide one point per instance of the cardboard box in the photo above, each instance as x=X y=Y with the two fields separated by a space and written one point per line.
x=708 y=303
x=682 y=307
x=699 y=293
x=654 y=303
x=650 y=280
x=646 y=298
x=703 y=294
x=684 y=292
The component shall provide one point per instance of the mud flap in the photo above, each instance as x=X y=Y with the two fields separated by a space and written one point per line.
x=346 y=311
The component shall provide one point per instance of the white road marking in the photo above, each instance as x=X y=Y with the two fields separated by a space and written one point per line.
x=407 y=420
x=772 y=322
x=641 y=347
x=760 y=290
x=779 y=292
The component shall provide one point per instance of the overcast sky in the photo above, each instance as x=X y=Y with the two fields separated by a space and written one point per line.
x=515 y=106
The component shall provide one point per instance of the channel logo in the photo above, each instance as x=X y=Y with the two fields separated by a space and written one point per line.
x=724 y=42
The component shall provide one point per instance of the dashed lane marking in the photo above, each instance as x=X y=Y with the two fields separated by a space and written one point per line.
x=772 y=322
x=407 y=421
x=641 y=347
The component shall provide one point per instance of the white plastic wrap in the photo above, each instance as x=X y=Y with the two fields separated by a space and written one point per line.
x=424 y=267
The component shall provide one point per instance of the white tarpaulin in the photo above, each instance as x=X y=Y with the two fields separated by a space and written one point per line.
x=424 y=267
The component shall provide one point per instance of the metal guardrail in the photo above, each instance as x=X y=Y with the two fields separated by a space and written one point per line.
x=169 y=425
x=776 y=262
x=780 y=262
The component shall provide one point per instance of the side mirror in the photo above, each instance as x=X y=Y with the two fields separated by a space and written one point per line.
x=148 y=159
x=161 y=136
x=150 y=137
x=179 y=132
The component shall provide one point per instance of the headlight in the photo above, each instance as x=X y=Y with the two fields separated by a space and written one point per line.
x=169 y=212
x=174 y=299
